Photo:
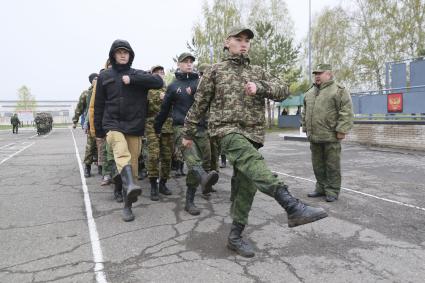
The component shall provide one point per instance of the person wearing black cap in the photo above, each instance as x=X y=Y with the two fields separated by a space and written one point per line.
x=232 y=93
x=180 y=96
x=119 y=114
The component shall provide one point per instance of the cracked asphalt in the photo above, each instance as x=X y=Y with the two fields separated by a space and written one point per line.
x=371 y=234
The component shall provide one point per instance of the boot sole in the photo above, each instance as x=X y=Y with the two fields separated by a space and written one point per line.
x=232 y=248
x=193 y=213
x=132 y=196
x=211 y=182
x=298 y=222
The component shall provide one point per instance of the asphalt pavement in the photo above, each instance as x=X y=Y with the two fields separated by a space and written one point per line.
x=57 y=226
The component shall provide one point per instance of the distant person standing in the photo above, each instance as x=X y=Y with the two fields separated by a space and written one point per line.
x=327 y=117
x=119 y=114
x=14 y=121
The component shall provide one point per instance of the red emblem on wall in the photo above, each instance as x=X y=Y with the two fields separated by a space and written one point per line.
x=395 y=102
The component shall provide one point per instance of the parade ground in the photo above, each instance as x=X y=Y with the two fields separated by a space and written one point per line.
x=57 y=226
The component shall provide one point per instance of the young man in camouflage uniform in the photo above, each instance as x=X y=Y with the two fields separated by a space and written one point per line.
x=234 y=92
x=160 y=148
x=14 y=121
x=81 y=110
x=327 y=117
x=180 y=96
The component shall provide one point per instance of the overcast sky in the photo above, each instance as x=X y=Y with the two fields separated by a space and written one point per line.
x=52 y=46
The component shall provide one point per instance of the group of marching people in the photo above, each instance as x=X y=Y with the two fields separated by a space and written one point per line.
x=218 y=110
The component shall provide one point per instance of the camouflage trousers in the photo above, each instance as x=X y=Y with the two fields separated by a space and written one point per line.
x=215 y=152
x=250 y=173
x=100 y=145
x=108 y=167
x=199 y=154
x=160 y=151
x=326 y=160
x=177 y=149
x=91 y=151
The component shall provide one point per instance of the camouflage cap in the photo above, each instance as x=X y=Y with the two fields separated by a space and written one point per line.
x=156 y=67
x=238 y=30
x=185 y=55
x=320 y=68
x=202 y=68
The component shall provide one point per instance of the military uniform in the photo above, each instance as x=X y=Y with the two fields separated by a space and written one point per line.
x=237 y=121
x=327 y=110
x=14 y=121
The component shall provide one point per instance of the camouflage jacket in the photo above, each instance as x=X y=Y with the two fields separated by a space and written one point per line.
x=14 y=120
x=154 y=106
x=82 y=105
x=327 y=110
x=221 y=91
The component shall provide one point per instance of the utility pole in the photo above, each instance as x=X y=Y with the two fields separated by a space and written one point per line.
x=309 y=41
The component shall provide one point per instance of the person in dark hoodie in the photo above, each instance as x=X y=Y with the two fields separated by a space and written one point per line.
x=180 y=96
x=119 y=114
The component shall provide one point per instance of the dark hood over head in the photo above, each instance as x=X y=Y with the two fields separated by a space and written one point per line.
x=120 y=43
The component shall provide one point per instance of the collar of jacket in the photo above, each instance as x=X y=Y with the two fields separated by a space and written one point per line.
x=186 y=76
x=324 y=85
x=120 y=67
x=240 y=59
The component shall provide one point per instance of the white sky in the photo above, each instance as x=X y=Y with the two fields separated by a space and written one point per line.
x=52 y=46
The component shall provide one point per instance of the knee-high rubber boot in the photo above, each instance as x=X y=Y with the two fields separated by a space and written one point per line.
x=236 y=243
x=206 y=180
x=163 y=187
x=127 y=213
x=223 y=161
x=180 y=169
x=154 y=189
x=118 y=188
x=298 y=212
x=132 y=190
x=190 y=206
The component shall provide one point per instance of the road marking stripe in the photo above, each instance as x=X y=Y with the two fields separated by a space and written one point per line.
x=12 y=155
x=7 y=145
x=94 y=236
x=357 y=192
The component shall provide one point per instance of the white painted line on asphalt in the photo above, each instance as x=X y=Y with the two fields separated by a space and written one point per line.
x=7 y=145
x=12 y=155
x=33 y=136
x=48 y=134
x=94 y=236
x=357 y=192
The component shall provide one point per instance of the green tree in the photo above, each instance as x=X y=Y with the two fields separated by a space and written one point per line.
x=26 y=101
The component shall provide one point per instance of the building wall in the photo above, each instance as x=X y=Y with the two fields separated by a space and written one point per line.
x=398 y=135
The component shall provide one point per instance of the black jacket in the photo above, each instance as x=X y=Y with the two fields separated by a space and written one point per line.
x=121 y=107
x=179 y=99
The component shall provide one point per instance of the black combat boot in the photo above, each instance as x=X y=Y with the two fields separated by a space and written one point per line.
x=118 y=188
x=298 y=213
x=99 y=169
x=132 y=190
x=127 y=213
x=206 y=180
x=87 y=169
x=163 y=189
x=223 y=161
x=236 y=243
x=190 y=205
x=154 y=188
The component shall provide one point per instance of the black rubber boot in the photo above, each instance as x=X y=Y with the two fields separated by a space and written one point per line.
x=223 y=161
x=133 y=190
x=99 y=169
x=127 y=213
x=163 y=187
x=236 y=243
x=206 y=180
x=87 y=169
x=190 y=206
x=298 y=212
x=118 y=189
x=154 y=189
